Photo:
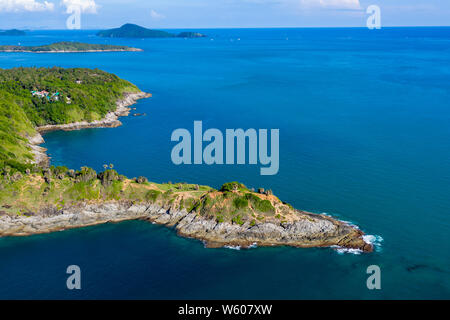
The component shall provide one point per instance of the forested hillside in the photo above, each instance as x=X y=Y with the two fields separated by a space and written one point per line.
x=31 y=97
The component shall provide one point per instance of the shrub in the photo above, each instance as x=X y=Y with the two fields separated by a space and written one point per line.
x=265 y=206
x=14 y=166
x=260 y=205
x=233 y=186
x=107 y=177
x=240 y=203
x=86 y=174
x=220 y=218
x=59 y=171
x=142 y=180
x=238 y=219
x=152 y=195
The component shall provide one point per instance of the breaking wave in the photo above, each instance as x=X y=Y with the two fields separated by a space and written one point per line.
x=374 y=240
x=252 y=246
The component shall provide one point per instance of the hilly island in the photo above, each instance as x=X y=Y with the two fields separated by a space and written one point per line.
x=130 y=30
x=38 y=198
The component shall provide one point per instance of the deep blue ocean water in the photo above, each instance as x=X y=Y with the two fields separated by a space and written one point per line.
x=364 y=136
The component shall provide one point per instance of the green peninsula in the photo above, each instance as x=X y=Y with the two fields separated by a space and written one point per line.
x=38 y=198
x=67 y=46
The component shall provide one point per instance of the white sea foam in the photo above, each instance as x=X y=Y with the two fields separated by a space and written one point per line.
x=342 y=250
x=347 y=250
x=252 y=246
x=374 y=240
x=233 y=247
x=338 y=217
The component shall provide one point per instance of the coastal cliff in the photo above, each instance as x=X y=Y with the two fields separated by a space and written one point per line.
x=302 y=229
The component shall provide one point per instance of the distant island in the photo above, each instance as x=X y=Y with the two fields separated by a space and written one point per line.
x=12 y=32
x=191 y=35
x=134 y=31
x=67 y=47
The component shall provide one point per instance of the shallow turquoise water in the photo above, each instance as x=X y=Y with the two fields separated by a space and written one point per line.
x=364 y=135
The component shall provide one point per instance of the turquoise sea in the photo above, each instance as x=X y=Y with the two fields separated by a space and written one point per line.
x=364 y=125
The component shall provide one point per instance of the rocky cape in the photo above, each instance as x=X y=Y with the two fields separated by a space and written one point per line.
x=111 y=120
x=308 y=230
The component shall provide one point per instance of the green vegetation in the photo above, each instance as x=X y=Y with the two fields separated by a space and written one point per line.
x=134 y=31
x=240 y=202
x=259 y=205
x=233 y=186
x=152 y=195
x=83 y=94
x=66 y=46
x=235 y=203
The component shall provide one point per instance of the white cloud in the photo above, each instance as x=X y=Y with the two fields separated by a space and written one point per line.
x=332 y=4
x=155 y=15
x=25 y=5
x=86 y=6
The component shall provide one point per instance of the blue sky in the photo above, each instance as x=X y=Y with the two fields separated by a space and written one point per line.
x=97 y=14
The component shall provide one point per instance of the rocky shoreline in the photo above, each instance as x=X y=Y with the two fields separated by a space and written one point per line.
x=310 y=230
x=109 y=121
